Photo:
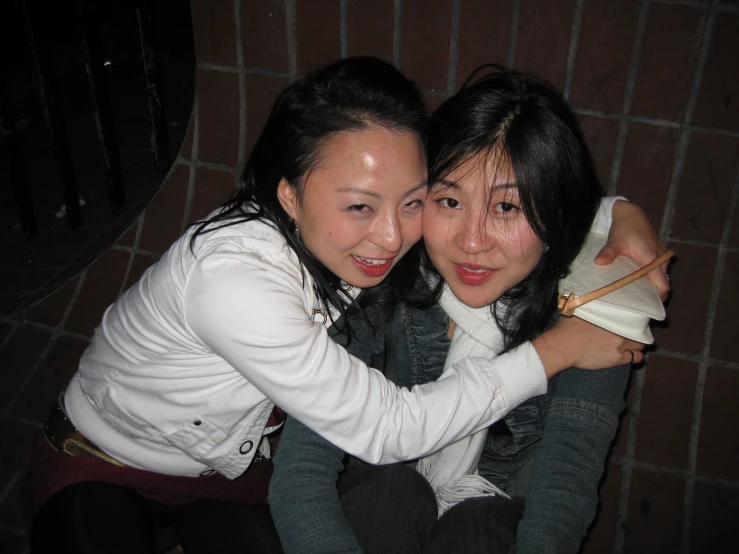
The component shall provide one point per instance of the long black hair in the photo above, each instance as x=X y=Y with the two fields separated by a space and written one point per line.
x=349 y=95
x=527 y=123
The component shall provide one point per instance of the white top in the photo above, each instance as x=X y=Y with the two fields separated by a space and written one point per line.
x=182 y=373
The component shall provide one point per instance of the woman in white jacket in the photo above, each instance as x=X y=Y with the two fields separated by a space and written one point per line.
x=174 y=395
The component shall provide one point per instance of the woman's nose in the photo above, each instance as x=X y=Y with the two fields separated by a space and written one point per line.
x=474 y=236
x=388 y=233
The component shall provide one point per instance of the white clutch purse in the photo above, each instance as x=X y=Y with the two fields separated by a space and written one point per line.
x=617 y=297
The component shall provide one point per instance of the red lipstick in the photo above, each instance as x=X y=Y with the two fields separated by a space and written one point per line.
x=373 y=270
x=472 y=274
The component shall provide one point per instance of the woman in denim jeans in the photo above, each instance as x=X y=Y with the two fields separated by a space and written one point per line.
x=506 y=155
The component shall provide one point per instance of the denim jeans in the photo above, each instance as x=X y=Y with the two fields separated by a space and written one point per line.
x=551 y=450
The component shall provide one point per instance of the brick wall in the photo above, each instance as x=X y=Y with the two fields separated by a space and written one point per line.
x=656 y=85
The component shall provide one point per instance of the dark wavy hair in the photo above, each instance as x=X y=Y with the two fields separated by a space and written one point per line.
x=349 y=95
x=506 y=115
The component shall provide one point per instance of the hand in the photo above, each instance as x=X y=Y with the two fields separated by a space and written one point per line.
x=573 y=342
x=631 y=235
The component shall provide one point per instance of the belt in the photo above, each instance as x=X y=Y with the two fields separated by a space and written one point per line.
x=63 y=436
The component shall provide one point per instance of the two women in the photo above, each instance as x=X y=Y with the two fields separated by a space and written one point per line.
x=171 y=408
x=512 y=196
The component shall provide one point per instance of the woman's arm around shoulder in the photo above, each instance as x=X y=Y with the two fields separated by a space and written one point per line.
x=253 y=313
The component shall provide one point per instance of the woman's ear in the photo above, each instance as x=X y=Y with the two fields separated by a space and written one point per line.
x=288 y=196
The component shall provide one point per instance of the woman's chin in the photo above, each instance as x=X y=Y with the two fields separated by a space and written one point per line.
x=471 y=296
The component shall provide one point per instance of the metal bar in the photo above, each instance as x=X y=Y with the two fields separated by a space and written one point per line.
x=47 y=89
x=101 y=106
x=18 y=180
x=157 y=126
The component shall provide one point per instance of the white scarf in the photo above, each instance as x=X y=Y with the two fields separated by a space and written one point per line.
x=452 y=471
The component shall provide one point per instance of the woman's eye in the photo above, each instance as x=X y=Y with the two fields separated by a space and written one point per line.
x=505 y=207
x=359 y=208
x=450 y=203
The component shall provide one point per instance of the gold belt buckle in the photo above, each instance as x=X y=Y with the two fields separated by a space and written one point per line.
x=63 y=436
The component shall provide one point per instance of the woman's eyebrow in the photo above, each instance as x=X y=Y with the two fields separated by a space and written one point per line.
x=422 y=185
x=358 y=190
x=447 y=183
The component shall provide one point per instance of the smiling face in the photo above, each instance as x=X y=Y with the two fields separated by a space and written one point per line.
x=476 y=233
x=360 y=208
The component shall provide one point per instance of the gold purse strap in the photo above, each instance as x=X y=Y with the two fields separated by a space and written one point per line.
x=568 y=304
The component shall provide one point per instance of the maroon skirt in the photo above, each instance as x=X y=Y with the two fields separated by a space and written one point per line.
x=48 y=471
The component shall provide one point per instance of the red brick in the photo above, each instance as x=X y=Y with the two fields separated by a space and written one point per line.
x=186 y=149
x=51 y=379
x=218 y=105
x=139 y=265
x=646 y=168
x=603 y=54
x=17 y=438
x=484 y=35
x=317 y=33
x=715 y=523
x=654 y=521
x=543 y=42
x=718 y=444
x=100 y=289
x=724 y=345
x=264 y=28
x=215 y=31
x=261 y=92
x=212 y=188
x=51 y=309
x=425 y=48
x=717 y=105
x=668 y=61
x=668 y=396
x=601 y=534
x=600 y=135
x=163 y=218
x=705 y=188
x=128 y=238
x=691 y=278
x=17 y=359
x=434 y=100
x=369 y=28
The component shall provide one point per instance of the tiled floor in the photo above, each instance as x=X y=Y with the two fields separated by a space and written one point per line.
x=654 y=83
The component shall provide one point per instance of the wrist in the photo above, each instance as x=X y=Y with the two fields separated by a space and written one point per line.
x=552 y=358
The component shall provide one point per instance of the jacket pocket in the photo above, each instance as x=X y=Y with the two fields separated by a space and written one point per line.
x=112 y=411
x=196 y=438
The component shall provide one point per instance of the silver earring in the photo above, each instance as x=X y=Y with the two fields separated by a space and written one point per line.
x=546 y=248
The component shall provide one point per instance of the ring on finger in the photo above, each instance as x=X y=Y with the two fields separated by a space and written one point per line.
x=632 y=356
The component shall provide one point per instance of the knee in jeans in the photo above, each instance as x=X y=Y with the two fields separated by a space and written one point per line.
x=410 y=485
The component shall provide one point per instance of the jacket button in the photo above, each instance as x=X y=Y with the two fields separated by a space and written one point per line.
x=207 y=472
x=197 y=423
x=246 y=447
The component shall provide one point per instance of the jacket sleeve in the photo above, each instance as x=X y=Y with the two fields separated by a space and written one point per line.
x=303 y=498
x=579 y=429
x=251 y=312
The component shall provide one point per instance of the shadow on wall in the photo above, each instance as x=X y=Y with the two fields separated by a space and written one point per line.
x=33 y=266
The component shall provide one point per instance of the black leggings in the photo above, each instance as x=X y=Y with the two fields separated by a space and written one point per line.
x=393 y=509
x=101 y=518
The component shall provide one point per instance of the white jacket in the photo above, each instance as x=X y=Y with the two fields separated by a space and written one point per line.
x=183 y=371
